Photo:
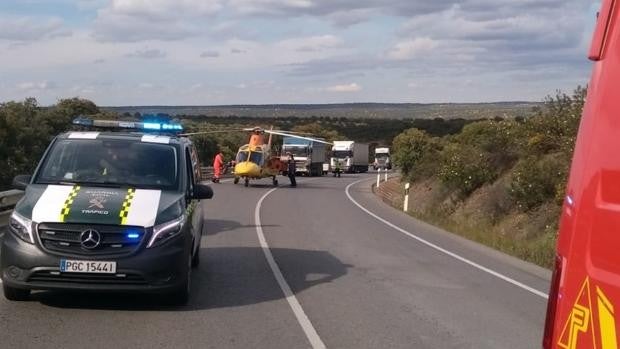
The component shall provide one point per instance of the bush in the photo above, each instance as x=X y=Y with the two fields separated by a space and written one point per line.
x=409 y=147
x=26 y=129
x=23 y=138
x=498 y=138
x=465 y=168
x=555 y=125
x=536 y=180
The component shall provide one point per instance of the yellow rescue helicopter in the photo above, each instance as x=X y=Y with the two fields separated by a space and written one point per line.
x=255 y=160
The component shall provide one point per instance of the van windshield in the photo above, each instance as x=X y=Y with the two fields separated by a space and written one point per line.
x=110 y=163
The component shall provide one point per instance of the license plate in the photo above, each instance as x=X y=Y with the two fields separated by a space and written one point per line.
x=72 y=266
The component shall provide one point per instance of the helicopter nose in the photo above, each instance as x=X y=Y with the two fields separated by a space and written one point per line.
x=247 y=168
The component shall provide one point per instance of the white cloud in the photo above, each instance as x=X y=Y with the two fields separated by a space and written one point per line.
x=164 y=9
x=353 y=87
x=148 y=54
x=36 y=85
x=140 y=20
x=312 y=43
x=412 y=48
x=31 y=29
x=210 y=54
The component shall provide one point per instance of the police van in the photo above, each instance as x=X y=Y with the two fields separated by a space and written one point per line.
x=584 y=301
x=114 y=207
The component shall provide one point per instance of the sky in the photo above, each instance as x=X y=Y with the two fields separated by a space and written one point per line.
x=214 y=52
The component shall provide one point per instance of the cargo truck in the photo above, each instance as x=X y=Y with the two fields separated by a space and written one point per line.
x=382 y=159
x=349 y=156
x=309 y=155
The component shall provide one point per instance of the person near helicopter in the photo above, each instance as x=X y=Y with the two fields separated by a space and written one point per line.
x=218 y=166
x=292 y=168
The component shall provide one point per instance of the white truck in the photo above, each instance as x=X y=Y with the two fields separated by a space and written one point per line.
x=349 y=156
x=309 y=155
x=382 y=159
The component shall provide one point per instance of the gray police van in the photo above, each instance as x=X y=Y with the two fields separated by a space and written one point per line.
x=108 y=211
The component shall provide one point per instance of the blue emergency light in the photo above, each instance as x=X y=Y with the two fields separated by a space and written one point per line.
x=151 y=125
x=132 y=234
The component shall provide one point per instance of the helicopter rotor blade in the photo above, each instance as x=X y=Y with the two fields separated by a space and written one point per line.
x=280 y=133
x=208 y=132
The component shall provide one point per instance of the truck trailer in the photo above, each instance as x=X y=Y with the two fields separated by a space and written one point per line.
x=349 y=156
x=309 y=155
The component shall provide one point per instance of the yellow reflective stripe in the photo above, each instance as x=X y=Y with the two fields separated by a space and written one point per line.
x=127 y=205
x=66 y=207
x=606 y=321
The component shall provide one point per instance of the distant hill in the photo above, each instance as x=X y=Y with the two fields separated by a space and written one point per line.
x=354 y=110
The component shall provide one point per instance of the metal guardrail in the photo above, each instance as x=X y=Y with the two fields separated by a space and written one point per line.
x=8 y=199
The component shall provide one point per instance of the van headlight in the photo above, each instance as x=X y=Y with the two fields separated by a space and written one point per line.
x=166 y=231
x=21 y=227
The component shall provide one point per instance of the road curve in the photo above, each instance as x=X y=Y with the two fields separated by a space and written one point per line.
x=359 y=282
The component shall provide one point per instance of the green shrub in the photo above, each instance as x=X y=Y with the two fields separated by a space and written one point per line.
x=498 y=138
x=409 y=147
x=536 y=180
x=554 y=126
x=465 y=168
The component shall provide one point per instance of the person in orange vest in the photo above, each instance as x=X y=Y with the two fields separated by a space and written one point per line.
x=218 y=166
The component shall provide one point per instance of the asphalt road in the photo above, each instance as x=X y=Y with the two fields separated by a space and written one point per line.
x=339 y=277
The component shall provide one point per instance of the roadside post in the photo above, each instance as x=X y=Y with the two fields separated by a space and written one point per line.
x=406 y=203
x=378 y=177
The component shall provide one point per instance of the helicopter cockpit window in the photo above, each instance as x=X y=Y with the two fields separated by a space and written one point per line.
x=256 y=158
x=242 y=156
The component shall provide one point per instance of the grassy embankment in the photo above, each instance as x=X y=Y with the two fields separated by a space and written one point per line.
x=498 y=182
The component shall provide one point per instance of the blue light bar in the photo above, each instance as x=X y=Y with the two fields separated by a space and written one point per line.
x=151 y=125
x=133 y=236
x=80 y=120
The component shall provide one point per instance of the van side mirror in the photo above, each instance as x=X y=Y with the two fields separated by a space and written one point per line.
x=21 y=181
x=202 y=192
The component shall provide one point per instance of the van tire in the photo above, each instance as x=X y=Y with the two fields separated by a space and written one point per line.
x=196 y=258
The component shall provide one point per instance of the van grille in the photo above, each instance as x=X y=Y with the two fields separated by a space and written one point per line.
x=64 y=239
x=82 y=278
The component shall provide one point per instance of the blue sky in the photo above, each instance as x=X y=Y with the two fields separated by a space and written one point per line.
x=207 y=52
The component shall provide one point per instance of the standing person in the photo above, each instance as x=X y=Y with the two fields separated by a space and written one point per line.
x=337 y=171
x=218 y=166
x=292 y=168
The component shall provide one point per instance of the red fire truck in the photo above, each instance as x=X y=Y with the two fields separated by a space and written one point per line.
x=584 y=299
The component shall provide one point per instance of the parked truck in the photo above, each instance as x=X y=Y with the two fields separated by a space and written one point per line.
x=382 y=159
x=349 y=156
x=309 y=155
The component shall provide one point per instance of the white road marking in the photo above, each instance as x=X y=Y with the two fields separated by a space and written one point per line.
x=301 y=316
x=443 y=250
